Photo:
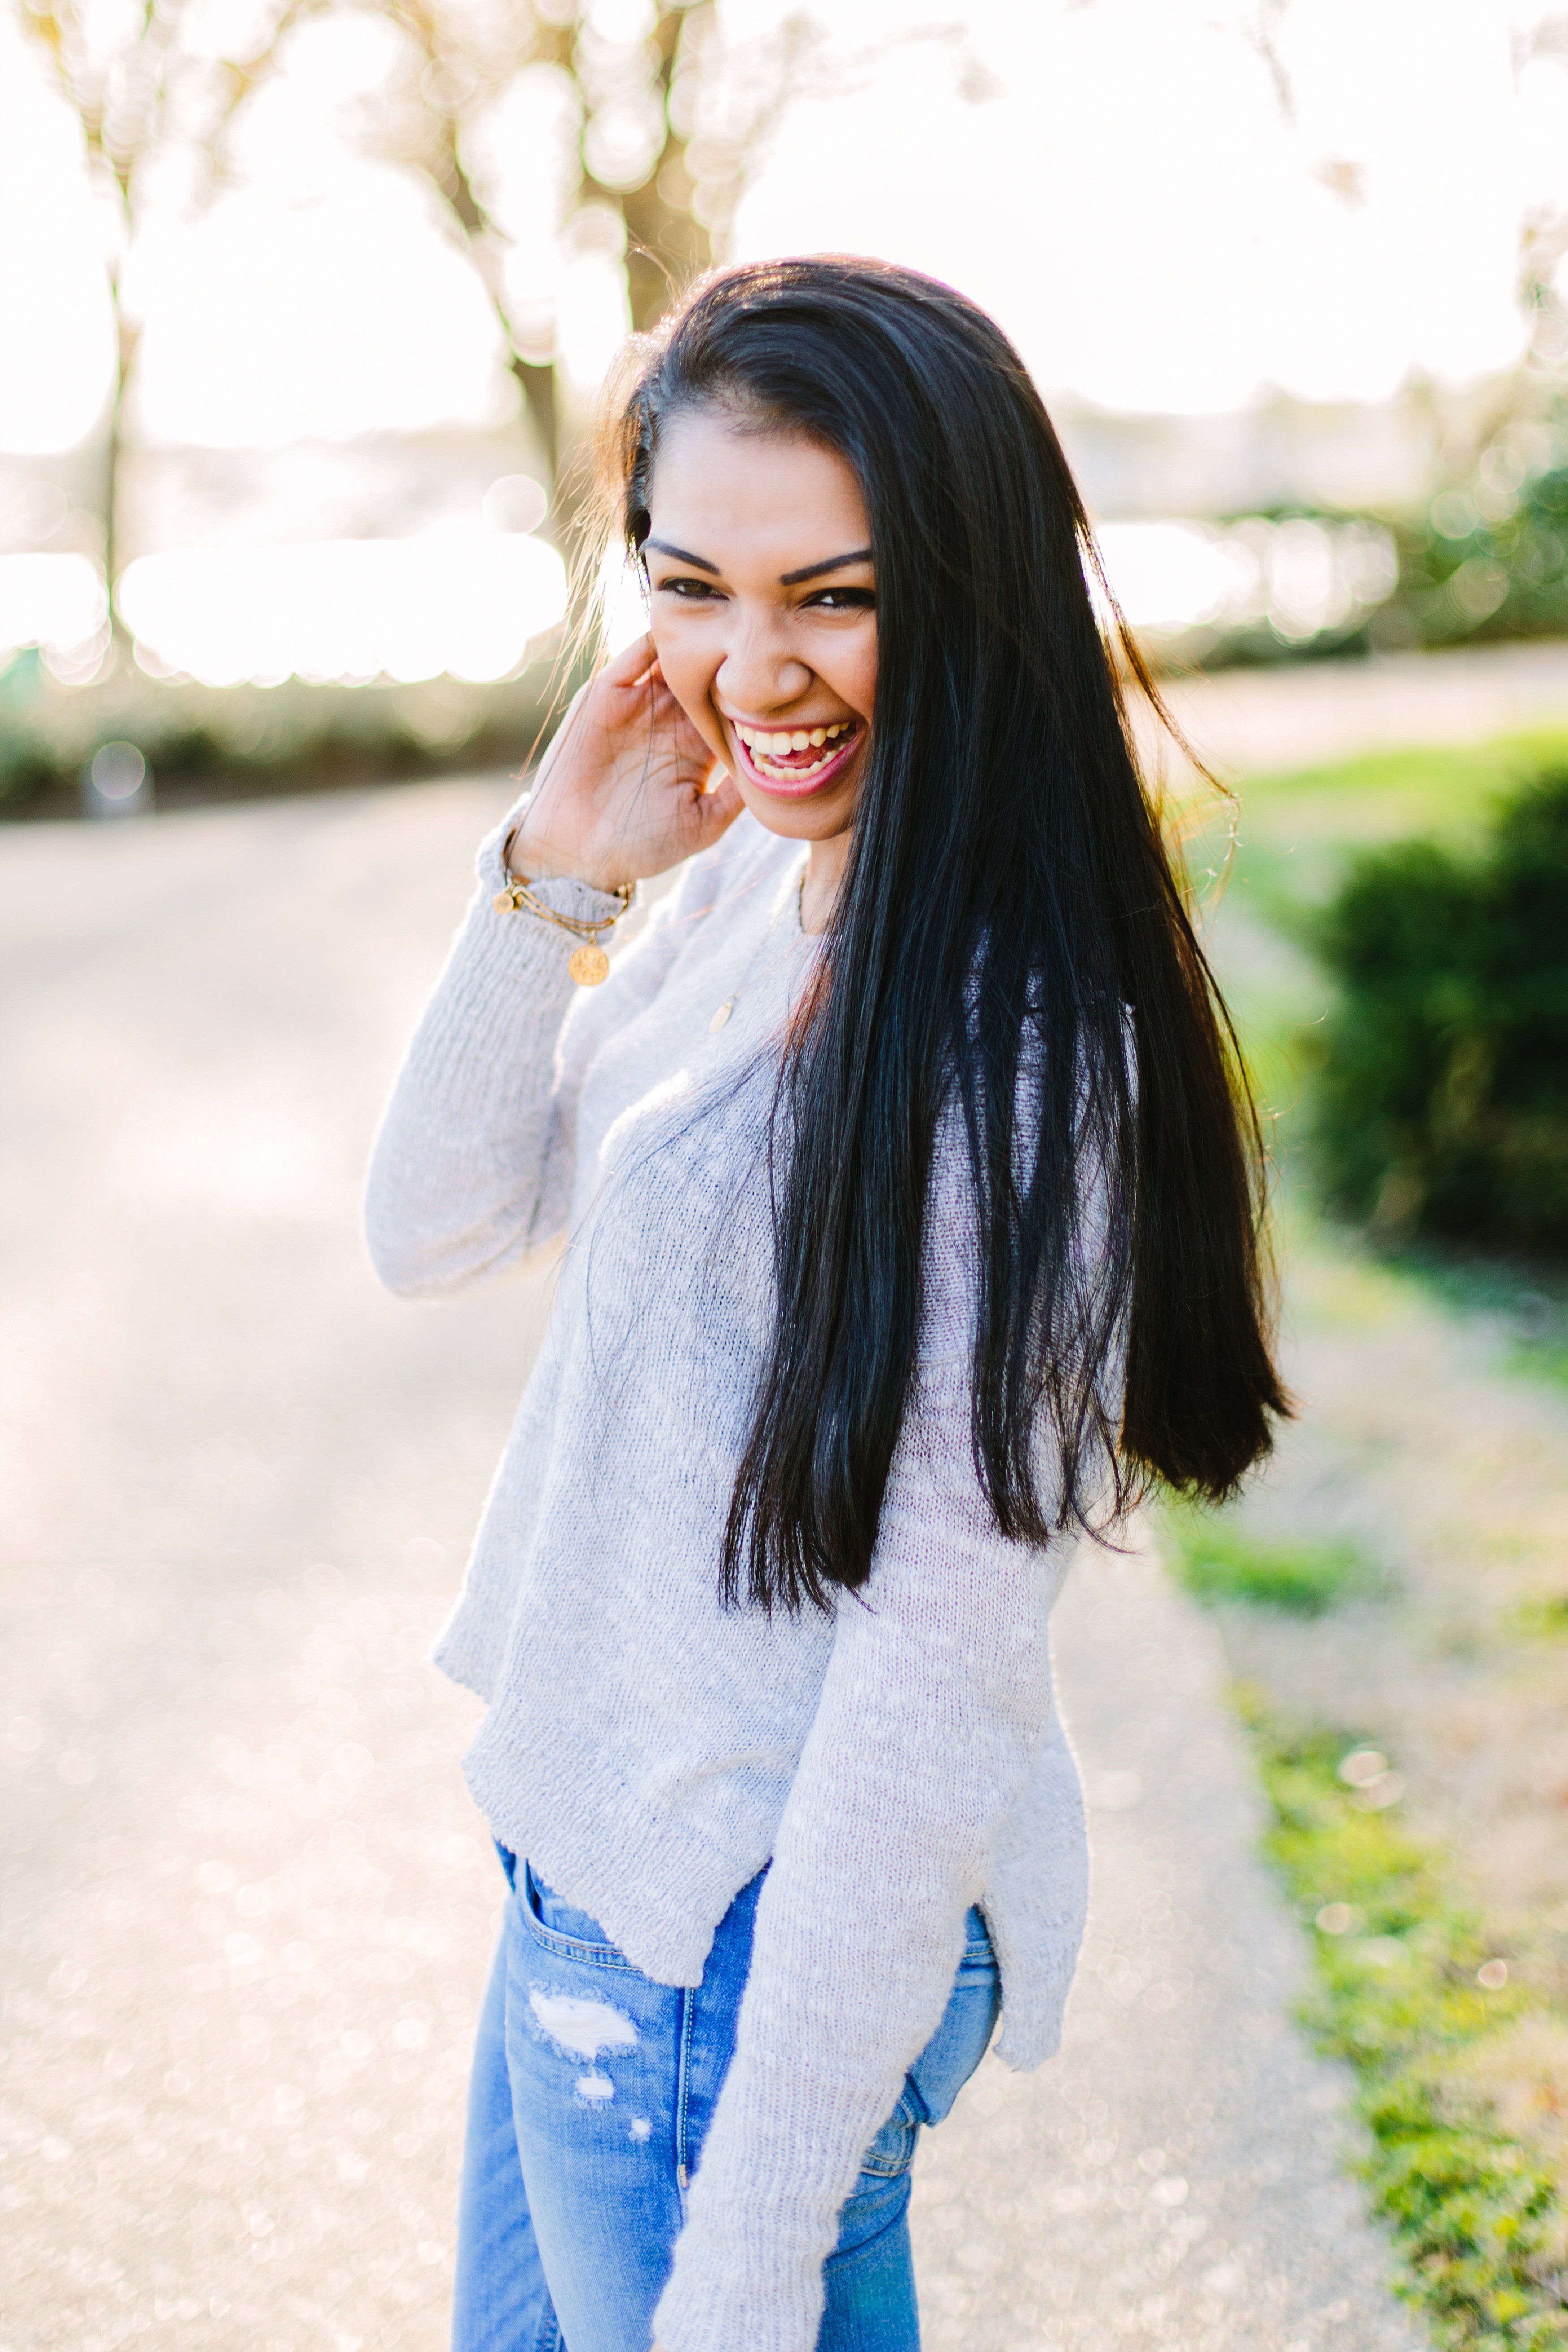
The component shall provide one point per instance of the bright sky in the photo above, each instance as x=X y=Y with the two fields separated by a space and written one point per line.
x=1168 y=214
x=1165 y=216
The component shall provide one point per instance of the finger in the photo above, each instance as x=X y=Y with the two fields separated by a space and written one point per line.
x=630 y=667
x=551 y=750
x=690 y=741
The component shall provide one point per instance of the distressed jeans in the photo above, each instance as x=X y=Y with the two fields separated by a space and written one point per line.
x=593 y=2089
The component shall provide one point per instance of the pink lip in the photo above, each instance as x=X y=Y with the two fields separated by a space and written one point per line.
x=809 y=785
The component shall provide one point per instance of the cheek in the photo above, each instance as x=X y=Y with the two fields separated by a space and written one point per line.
x=856 y=681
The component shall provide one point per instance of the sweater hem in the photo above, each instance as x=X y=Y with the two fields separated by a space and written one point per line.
x=621 y=1868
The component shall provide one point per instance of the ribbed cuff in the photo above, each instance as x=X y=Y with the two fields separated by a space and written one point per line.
x=730 y=2287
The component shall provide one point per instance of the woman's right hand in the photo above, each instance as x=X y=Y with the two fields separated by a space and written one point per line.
x=623 y=789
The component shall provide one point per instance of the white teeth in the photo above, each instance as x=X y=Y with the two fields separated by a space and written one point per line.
x=765 y=746
x=759 y=738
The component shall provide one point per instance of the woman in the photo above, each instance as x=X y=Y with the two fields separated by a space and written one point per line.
x=912 y=1227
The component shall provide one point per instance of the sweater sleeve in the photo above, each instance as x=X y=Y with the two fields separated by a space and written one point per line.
x=934 y=1712
x=473 y=1164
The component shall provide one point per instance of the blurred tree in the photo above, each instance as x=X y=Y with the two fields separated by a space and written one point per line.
x=623 y=62
x=660 y=118
x=664 y=115
x=144 y=96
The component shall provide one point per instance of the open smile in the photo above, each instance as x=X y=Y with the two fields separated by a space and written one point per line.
x=799 y=759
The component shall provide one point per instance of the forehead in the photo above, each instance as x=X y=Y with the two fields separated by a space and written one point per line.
x=749 y=500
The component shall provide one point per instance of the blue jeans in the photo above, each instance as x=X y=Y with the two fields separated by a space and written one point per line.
x=593 y=2089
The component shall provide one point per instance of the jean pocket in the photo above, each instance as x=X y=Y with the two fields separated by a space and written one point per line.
x=560 y=1927
x=963 y=2036
x=949 y=2058
x=893 y=2149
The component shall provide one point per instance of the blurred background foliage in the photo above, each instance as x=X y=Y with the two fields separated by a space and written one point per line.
x=1442 y=1079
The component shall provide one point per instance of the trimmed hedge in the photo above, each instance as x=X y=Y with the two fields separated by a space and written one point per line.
x=1442 y=1097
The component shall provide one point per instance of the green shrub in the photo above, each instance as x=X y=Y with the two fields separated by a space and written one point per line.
x=1442 y=1098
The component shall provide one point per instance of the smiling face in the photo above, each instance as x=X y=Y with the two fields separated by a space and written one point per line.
x=764 y=614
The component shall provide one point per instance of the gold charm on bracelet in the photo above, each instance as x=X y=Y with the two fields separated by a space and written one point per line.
x=588 y=964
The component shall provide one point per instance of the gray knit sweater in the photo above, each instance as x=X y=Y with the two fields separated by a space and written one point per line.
x=646 y=1749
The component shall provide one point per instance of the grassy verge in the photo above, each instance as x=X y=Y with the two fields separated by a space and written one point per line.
x=1405 y=1990
x=1407 y=1987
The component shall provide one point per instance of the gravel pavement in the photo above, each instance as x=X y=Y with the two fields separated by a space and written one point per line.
x=247 y=1905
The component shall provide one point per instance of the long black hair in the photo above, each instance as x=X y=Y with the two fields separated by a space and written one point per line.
x=1010 y=946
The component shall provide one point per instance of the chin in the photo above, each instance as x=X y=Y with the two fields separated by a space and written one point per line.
x=802 y=819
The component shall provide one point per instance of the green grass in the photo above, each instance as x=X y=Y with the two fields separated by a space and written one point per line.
x=1540 y=1359
x=1295 y=830
x=1544 y=1617
x=1218 y=1563
x=1397 y=1996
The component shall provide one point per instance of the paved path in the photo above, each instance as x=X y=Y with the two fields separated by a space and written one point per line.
x=247 y=1905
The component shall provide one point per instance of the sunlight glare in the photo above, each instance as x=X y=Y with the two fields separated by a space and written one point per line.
x=462 y=599
x=57 y=332
x=55 y=602
x=1326 y=215
x=270 y=322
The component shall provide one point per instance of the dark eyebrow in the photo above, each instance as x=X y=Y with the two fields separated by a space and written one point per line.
x=787 y=578
x=814 y=570
x=662 y=547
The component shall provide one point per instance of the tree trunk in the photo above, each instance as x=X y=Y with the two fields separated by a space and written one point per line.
x=666 y=245
x=113 y=455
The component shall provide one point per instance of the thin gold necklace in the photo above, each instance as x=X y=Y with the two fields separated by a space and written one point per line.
x=724 y=1009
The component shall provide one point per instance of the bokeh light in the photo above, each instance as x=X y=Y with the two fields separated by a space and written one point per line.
x=1301 y=576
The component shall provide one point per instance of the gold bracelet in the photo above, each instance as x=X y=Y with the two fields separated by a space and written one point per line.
x=588 y=964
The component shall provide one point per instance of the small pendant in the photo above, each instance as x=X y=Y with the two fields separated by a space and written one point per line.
x=506 y=902
x=588 y=964
x=721 y=1016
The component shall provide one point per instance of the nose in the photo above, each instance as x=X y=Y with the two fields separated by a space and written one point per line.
x=758 y=673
